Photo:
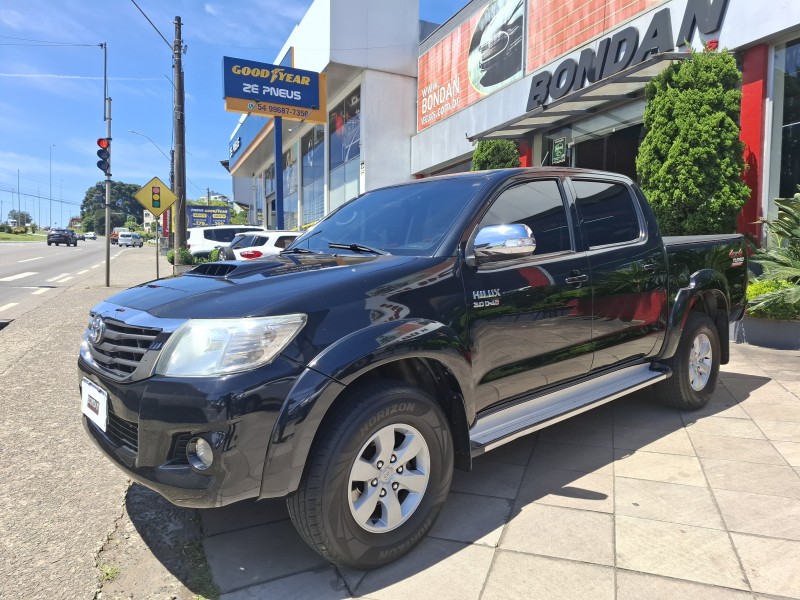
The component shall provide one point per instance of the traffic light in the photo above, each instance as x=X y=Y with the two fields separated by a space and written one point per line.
x=104 y=154
x=156 y=191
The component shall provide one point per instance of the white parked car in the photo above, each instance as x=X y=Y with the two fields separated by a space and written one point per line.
x=255 y=244
x=91 y=235
x=202 y=240
x=130 y=238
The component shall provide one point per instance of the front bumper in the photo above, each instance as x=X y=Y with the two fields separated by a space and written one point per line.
x=151 y=420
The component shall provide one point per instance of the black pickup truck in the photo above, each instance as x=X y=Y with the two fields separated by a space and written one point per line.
x=412 y=329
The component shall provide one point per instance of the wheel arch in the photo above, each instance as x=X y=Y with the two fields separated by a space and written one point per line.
x=708 y=293
x=433 y=362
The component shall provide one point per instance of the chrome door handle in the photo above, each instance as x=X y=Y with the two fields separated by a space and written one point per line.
x=576 y=277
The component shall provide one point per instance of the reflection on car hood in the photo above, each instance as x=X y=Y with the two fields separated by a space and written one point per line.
x=274 y=285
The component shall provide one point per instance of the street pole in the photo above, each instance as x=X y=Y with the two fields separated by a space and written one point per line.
x=50 y=224
x=107 y=119
x=179 y=123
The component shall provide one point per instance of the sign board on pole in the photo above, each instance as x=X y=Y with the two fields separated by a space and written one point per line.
x=207 y=216
x=155 y=196
x=273 y=90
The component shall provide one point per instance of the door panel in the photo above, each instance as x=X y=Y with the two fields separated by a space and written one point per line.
x=628 y=272
x=529 y=328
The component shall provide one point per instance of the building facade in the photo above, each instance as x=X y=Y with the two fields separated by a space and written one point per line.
x=368 y=52
x=565 y=80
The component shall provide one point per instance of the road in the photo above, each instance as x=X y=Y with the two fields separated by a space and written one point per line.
x=31 y=273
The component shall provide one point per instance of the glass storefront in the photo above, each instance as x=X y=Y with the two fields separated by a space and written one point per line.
x=291 y=194
x=313 y=150
x=344 y=122
x=785 y=147
x=608 y=141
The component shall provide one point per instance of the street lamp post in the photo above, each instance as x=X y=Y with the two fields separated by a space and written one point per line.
x=51 y=185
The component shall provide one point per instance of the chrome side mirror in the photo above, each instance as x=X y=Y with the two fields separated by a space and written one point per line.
x=499 y=242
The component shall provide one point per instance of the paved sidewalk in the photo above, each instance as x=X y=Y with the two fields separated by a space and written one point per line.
x=60 y=497
x=629 y=501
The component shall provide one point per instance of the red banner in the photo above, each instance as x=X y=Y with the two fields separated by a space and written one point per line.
x=482 y=55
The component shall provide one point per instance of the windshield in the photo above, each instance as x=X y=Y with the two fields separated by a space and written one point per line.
x=407 y=219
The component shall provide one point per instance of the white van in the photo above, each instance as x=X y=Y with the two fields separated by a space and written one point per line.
x=129 y=238
x=202 y=240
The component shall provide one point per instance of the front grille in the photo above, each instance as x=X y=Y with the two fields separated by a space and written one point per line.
x=122 y=347
x=122 y=432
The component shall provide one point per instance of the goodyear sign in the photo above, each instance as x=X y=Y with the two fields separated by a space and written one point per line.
x=208 y=216
x=273 y=90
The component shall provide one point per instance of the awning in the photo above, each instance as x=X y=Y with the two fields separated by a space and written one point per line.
x=603 y=95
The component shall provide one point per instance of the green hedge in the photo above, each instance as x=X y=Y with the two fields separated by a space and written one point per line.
x=780 y=310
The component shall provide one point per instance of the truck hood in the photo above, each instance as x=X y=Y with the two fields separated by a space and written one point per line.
x=275 y=285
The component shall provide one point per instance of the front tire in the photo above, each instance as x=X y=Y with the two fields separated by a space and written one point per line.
x=695 y=366
x=376 y=478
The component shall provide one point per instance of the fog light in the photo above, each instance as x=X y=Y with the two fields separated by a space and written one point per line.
x=199 y=453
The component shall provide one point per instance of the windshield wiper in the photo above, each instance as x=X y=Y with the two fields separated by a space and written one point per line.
x=298 y=251
x=357 y=248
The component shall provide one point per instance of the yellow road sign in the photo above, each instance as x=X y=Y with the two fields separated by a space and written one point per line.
x=155 y=196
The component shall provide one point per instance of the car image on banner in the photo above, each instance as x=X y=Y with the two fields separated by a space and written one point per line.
x=495 y=54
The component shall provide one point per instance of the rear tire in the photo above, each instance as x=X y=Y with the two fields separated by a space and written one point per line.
x=376 y=478
x=695 y=366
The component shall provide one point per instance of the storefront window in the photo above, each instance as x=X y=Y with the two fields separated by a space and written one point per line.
x=313 y=170
x=290 y=195
x=345 y=148
x=785 y=148
x=267 y=198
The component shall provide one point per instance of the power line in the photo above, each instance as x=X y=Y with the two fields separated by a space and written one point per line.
x=47 y=42
x=153 y=24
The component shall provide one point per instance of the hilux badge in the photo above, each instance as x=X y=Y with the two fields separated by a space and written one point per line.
x=97 y=327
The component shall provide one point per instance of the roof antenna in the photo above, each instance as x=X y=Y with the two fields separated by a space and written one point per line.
x=545 y=157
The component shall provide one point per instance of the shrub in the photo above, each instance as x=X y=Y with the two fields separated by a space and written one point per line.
x=691 y=160
x=495 y=154
x=185 y=256
x=781 y=264
x=779 y=309
x=4 y=228
x=19 y=230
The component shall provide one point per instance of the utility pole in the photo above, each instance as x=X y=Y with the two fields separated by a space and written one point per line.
x=208 y=196
x=179 y=122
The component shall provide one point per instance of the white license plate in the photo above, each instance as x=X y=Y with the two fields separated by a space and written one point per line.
x=94 y=403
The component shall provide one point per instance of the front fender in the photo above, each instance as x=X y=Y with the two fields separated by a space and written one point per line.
x=343 y=362
x=700 y=282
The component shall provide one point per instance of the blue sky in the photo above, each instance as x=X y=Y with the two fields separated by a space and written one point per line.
x=51 y=90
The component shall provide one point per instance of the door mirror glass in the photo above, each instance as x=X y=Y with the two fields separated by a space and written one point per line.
x=498 y=242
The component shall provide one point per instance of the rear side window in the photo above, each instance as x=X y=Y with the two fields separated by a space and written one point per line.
x=539 y=205
x=608 y=213
x=284 y=241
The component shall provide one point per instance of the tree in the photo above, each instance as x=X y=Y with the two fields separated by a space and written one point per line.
x=495 y=154
x=123 y=206
x=240 y=218
x=691 y=161
x=21 y=218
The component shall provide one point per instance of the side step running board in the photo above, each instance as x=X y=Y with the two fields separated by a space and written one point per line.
x=506 y=425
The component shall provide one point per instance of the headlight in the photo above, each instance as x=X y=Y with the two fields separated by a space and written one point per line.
x=208 y=347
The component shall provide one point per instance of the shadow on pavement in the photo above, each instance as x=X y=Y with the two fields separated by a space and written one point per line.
x=252 y=547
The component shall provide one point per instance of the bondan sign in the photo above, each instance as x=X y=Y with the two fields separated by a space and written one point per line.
x=626 y=47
